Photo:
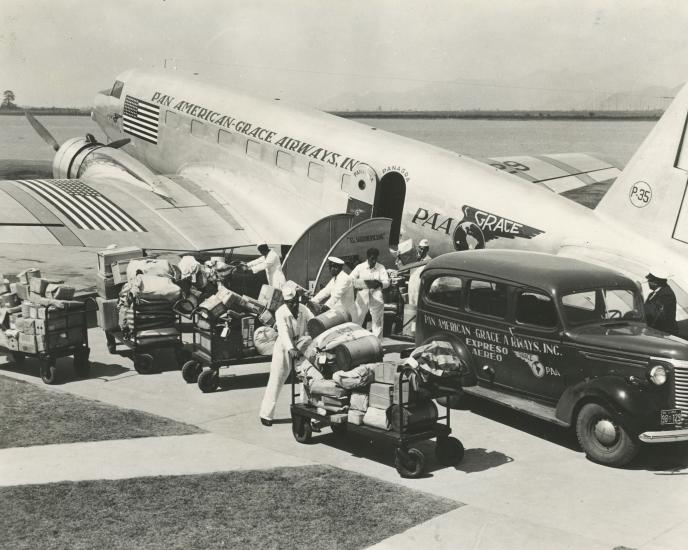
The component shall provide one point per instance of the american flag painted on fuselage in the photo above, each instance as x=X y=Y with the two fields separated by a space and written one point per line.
x=83 y=206
x=140 y=118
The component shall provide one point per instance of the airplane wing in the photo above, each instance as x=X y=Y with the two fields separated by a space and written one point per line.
x=95 y=212
x=558 y=172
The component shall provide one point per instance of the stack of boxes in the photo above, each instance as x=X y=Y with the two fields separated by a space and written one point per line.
x=110 y=278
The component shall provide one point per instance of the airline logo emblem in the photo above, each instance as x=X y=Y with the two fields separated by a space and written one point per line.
x=479 y=227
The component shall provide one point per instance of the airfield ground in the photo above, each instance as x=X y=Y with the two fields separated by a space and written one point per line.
x=522 y=483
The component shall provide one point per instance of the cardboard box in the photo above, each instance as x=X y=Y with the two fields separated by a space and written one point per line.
x=22 y=290
x=108 y=318
x=107 y=257
x=59 y=291
x=28 y=325
x=252 y=305
x=267 y=318
x=26 y=309
x=12 y=342
x=385 y=372
x=355 y=417
x=31 y=343
x=257 y=265
x=106 y=287
x=28 y=274
x=408 y=390
x=380 y=395
x=9 y=300
x=4 y=286
x=39 y=285
x=271 y=297
x=14 y=317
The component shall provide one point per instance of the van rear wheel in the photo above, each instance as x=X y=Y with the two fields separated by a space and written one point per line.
x=602 y=438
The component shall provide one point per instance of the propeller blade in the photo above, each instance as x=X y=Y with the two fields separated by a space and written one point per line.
x=42 y=131
x=119 y=143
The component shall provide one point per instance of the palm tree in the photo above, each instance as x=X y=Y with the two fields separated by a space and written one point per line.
x=8 y=96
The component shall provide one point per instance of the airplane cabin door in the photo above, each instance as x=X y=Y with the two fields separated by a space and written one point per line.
x=361 y=186
x=389 y=203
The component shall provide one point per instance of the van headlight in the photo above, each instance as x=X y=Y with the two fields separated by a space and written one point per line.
x=658 y=375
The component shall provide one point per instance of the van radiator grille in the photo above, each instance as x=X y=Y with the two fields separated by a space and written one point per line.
x=681 y=391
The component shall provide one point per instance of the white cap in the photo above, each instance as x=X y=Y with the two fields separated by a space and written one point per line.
x=289 y=290
x=335 y=260
x=424 y=242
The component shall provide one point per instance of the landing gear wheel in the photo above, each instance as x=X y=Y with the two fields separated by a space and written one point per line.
x=183 y=356
x=82 y=366
x=111 y=343
x=409 y=462
x=449 y=451
x=143 y=363
x=209 y=380
x=191 y=371
x=301 y=428
x=18 y=357
x=338 y=429
x=603 y=439
x=48 y=370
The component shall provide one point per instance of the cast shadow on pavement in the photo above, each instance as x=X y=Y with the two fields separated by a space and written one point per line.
x=230 y=382
x=65 y=371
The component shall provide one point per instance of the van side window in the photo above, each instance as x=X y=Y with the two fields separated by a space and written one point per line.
x=117 y=89
x=535 y=308
x=446 y=290
x=487 y=297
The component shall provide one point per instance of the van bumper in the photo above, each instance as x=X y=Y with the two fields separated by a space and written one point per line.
x=664 y=436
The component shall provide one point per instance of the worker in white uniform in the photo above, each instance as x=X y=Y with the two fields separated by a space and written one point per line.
x=339 y=291
x=291 y=320
x=370 y=278
x=273 y=266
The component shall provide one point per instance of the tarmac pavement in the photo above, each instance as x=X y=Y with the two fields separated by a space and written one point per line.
x=523 y=483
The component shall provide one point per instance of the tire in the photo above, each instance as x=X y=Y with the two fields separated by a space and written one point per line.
x=339 y=429
x=409 y=463
x=449 y=451
x=81 y=364
x=48 y=370
x=209 y=380
x=190 y=371
x=302 y=429
x=602 y=438
x=18 y=357
x=143 y=363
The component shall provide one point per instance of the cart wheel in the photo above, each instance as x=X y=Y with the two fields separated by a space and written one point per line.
x=339 y=429
x=18 y=357
x=111 y=343
x=409 y=463
x=82 y=366
x=209 y=380
x=449 y=451
x=48 y=370
x=183 y=356
x=143 y=363
x=302 y=429
x=190 y=371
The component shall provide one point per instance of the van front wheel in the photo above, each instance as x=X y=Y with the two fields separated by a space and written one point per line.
x=603 y=439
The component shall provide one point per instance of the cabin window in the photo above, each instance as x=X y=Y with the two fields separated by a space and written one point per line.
x=446 y=290
x=285 y=160
x=487 y=297
x=316 y=172
x=224 y=138
x=253 y=149
x=171 y=119
x=198 y=128
x=117 y=88
x=535 y=308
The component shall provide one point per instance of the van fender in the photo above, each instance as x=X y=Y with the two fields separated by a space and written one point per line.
x=627 y=402
x=462 y=352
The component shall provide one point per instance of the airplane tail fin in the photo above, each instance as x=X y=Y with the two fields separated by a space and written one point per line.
x=650 y=193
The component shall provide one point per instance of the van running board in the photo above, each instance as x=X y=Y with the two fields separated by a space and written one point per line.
x=522 y=404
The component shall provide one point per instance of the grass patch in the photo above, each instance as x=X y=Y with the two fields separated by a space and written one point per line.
x=317 y=507
x=30 y=415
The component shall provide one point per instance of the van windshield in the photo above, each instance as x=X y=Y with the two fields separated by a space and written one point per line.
x=602 y=304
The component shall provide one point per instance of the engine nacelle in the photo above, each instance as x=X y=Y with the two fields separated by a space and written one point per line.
x=71 y=156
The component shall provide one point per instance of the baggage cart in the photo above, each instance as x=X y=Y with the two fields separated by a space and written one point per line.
x=64 y=333
x=140 y=348
x=409 y=461
x=219 y=342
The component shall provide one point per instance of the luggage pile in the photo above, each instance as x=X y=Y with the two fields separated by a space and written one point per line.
x=39 y=317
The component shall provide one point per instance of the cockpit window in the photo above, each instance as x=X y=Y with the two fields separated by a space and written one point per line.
x=117 y=89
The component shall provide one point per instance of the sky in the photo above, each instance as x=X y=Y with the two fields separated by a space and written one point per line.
x=356 y=54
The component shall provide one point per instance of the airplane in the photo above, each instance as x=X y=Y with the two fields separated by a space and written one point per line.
x=192 y=166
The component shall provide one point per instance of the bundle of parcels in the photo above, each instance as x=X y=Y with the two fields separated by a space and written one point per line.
x=363 y=389
x=38 y=314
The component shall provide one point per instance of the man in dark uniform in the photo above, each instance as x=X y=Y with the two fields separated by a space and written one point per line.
x=660 y=306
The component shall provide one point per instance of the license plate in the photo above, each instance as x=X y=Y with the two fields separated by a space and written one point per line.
x=670 y=416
